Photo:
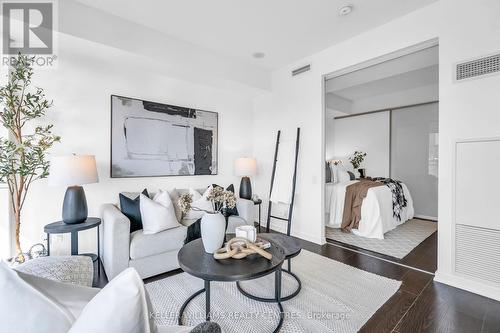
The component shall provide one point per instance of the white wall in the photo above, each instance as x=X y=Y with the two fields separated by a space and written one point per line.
x=369 y=133
x=81 y=85
x=467 y=110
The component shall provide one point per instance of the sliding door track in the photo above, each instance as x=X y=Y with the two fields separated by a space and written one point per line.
x=333 y=243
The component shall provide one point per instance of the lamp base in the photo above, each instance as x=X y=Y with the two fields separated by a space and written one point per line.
x=245 y=188
x=74 y=206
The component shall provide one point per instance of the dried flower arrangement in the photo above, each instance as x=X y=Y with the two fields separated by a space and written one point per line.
x=219 y=198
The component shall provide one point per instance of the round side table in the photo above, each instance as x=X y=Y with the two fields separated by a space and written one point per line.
x=60 y=227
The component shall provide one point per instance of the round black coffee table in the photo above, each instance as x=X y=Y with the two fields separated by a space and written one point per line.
x=292 y=248
x=193 y=260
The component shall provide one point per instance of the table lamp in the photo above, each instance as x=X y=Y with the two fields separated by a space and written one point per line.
x=245 y=167
x=73 y=171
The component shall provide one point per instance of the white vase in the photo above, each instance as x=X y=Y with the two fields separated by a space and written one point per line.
x=213 y=230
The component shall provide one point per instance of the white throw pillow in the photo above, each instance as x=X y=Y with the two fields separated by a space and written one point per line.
x=120 y=307
x=200 y=202
x=24 y=308
x=174 y=197
x=157 y=214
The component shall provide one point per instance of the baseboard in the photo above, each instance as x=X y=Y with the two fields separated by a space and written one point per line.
x=467 y=284
x=428 y=218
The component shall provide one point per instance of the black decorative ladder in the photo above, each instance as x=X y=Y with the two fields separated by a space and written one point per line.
x=294 y=180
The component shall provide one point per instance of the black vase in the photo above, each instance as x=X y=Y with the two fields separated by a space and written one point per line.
x=362 y=173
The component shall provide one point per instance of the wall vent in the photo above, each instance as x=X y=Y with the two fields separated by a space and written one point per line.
x=301 y=70
x=478 y=67
x=477 y=252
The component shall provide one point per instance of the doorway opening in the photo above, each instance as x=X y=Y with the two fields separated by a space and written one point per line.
x=381 y=157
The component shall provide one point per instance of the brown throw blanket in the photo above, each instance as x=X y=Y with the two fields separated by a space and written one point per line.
x=354 y=196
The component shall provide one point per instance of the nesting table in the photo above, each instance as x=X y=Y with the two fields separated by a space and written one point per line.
x=194 y=261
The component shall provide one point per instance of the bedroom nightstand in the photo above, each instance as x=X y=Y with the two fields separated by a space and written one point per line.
x=258 y=202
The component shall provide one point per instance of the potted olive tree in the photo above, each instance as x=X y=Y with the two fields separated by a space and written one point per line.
x=23 y=150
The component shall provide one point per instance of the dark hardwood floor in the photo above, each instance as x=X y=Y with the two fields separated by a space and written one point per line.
x=423 y=256
x=420 y=305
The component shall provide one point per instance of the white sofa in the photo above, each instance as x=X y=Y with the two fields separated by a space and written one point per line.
x=150 y=254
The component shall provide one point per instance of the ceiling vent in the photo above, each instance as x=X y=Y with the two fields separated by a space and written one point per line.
x=478 y=67
x=301 y=70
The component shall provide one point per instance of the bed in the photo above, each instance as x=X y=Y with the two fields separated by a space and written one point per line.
x=376 y=210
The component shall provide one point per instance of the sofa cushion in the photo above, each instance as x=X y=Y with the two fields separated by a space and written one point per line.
x=174 y=197
x=131 y=209
x=23 y=308
x=142 y=245
x=120 y=307
x=200 y=204
x=157 y=214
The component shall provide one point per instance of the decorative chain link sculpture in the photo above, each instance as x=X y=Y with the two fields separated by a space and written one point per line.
x=239 y=248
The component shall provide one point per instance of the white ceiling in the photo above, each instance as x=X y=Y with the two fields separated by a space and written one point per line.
x=285 y=30
x=405 y=81
x=412 y=78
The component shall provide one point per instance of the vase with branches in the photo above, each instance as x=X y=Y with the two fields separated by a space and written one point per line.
x=23 y=151
x=213 y=224
x=356 y=160
x=218 y=197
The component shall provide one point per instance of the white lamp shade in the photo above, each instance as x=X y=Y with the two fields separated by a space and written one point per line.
x=72 y=170
x=245 y=166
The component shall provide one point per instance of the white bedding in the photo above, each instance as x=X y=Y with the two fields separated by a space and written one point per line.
x=376 y=210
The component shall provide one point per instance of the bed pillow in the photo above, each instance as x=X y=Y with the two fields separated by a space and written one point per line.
x=199 y=201
x=131 y=209
x=157 y=214
x=343 y=175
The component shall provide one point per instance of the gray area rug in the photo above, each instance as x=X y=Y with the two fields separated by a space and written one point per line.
x=397 y=243
x=334 y=298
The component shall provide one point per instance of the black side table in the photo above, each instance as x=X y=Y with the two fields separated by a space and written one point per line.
x=258 y=202
x=60 y=227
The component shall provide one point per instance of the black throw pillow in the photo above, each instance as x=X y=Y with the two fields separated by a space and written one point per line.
x=131 y=208
x=229 y=211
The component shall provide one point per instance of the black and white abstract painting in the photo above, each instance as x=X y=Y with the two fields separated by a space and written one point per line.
x=154 y=139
